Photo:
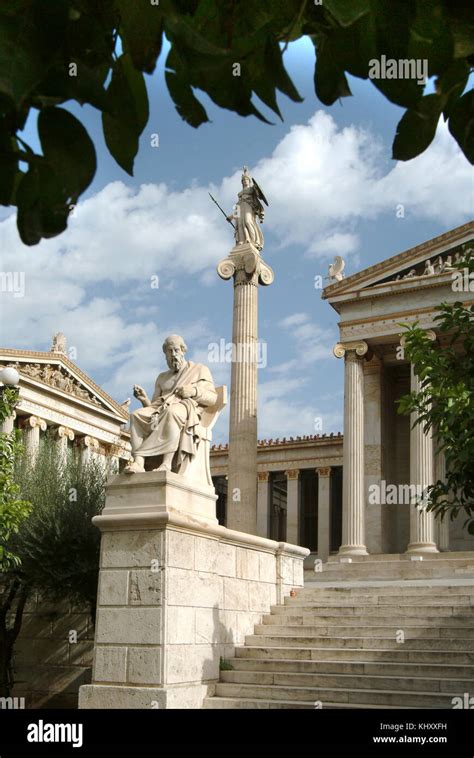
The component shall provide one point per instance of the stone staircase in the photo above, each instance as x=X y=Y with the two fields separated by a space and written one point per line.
x=334 y=645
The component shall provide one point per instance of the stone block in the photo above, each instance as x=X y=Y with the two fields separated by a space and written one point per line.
x=129 y=626
x=227 y=560
x=145 y=587
x=259 y=597
x=129 y=549
x=208 y=626
x=113 y=587
x=247 y=563
x=109 y=696
x=180 y=549
x=286 y=569
x=110 y=664
x=144 y=665
x=267 y=567
x=183 y=664
x=206 y=554
x=236 y=596
x=180 y=629
x=298 y=573
x=193 y=588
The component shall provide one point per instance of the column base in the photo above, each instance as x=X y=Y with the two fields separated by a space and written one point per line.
x=416 y=548
x=352 y=550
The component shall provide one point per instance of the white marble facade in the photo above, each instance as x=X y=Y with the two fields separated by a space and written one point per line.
x=56 y=396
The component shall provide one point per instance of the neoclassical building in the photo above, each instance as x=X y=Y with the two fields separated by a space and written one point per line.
x=56 y=396
x=315 y=491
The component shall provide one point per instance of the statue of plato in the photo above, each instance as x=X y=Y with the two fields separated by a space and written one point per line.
x=168 y=424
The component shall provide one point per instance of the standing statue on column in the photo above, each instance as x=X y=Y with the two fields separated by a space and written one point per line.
x=249 y=212
x=168 y=424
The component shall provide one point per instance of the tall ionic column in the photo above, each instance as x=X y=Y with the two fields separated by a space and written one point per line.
x=63 y=434
x=292 y=506
x=32 y=425
x=422 y=522
x=263 y=503
x=443 y=525
x=248 y=269
x=353 y=494
x=324 y=512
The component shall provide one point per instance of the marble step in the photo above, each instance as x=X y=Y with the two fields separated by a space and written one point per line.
x=375 y=630
x=445 y=555
x=387 y=642
x=349 y=681
x=400 y=600
x=395 y=588
x=335 y=695
x=240 y=703
x=351 y=610
x=372 y=668
x=401 y=654
x=362 y=619
x=417 y=570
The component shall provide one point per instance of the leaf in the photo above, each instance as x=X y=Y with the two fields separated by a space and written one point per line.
x=347 y=13
x=142 y=32
x=461 y=124
x=187 y=105
x=417 y=128
x=68 y=150
x=30 y=34
x=128 y=100
x=329 y=79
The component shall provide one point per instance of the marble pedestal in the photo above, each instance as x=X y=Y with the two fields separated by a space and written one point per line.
x=177 y=592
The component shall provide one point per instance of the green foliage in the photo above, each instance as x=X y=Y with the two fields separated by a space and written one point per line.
x=445 y=402
x=62 y=51
x=58 y=545
x=225 y=665
x=13 y=508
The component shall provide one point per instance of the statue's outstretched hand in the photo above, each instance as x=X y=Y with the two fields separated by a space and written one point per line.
x=140 y=393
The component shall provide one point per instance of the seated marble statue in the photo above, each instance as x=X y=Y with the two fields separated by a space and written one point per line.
x=168 y=424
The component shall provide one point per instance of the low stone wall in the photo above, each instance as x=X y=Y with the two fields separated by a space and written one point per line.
x=176 y=594
x=48 y=666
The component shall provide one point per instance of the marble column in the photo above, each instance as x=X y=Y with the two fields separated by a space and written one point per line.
x=89 y=447
x=324 y=512
x=32 y=425
x=263 y=503
x=422 y=522
x=292 y=506
x=248 y=269
x=442 y=525
x=353 y=491
x=63 y=434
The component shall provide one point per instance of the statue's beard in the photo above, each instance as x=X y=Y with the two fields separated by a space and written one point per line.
x=176 y=363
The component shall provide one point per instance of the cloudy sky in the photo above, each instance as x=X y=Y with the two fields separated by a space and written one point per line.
x=332 y=189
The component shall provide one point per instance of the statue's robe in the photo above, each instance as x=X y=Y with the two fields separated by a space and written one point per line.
x=170 y=423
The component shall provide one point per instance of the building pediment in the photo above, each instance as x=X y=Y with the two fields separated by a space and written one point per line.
x=54 y=371
x=427 y=265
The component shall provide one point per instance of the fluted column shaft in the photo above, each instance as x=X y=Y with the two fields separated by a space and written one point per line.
x=422 y=523
x=324 y=512
x=443 y=525
x=247 y=268
x=292 y=506
x=263 y=503
x=32 y=425
x=353 y=495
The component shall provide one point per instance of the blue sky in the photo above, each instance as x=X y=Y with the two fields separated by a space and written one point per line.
x=332 y=189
